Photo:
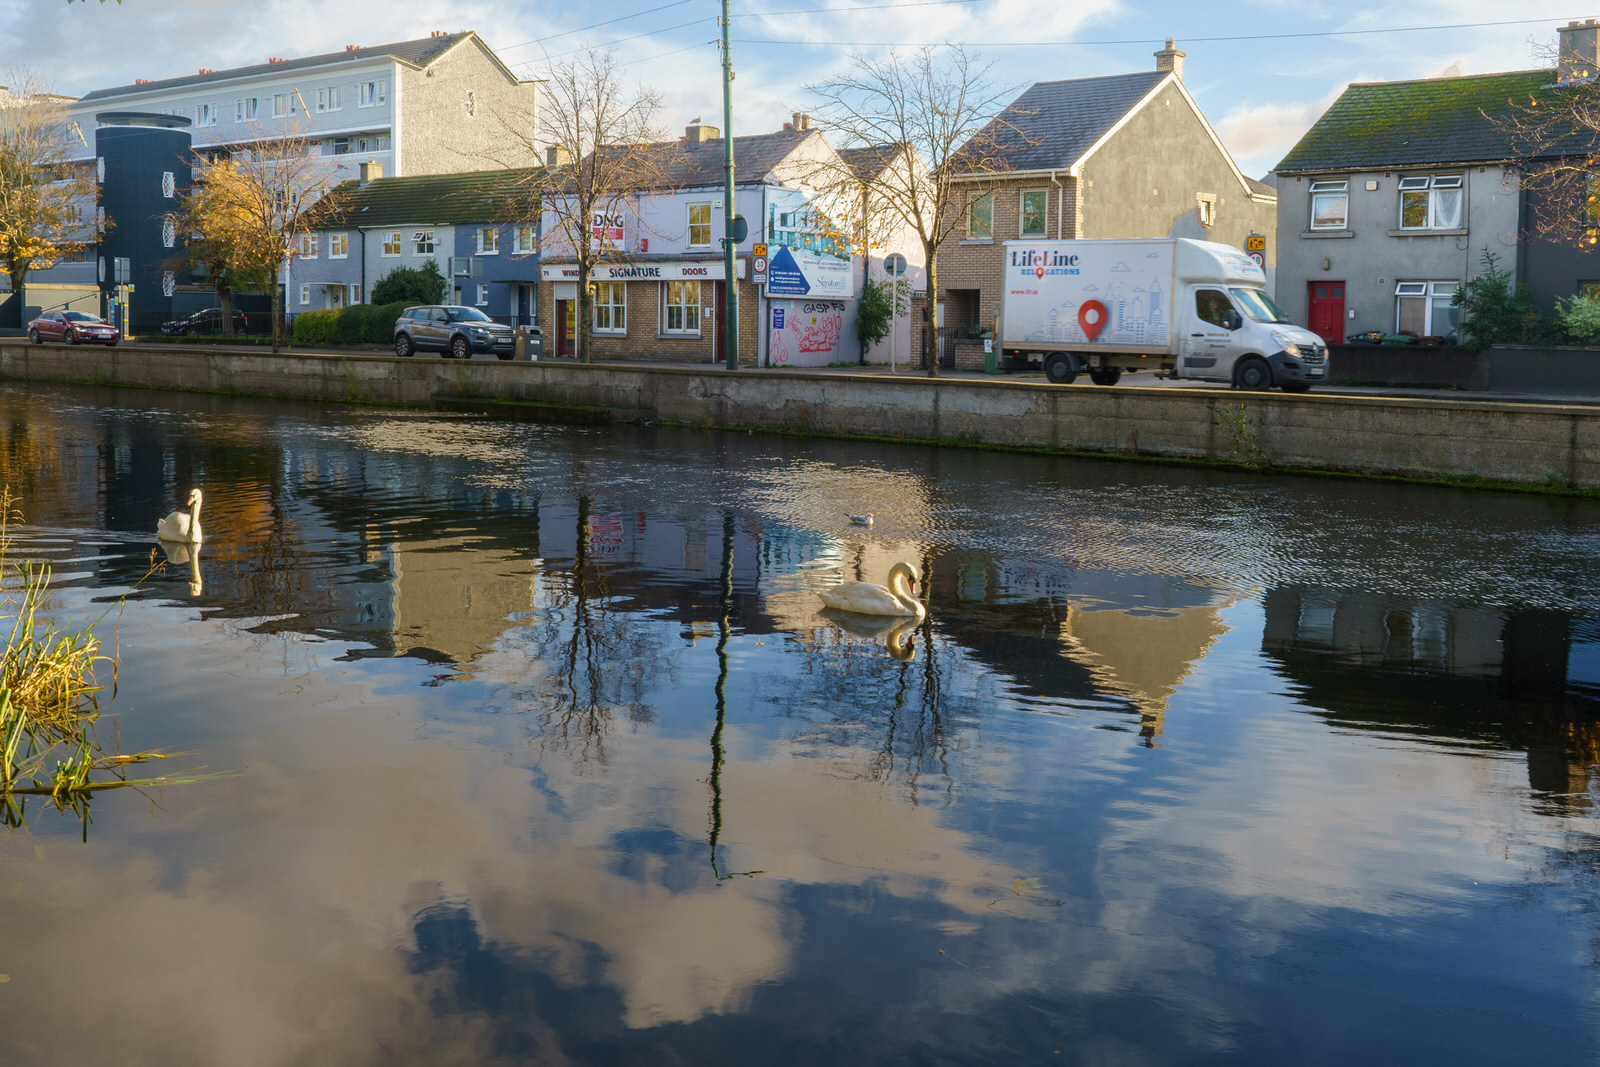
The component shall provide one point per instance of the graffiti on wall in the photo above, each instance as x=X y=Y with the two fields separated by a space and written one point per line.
x=807 y=333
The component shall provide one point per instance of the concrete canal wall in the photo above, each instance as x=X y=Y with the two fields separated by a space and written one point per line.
x=1517 y=443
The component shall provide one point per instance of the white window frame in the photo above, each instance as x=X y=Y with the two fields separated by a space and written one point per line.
x=424 y=242
x=338 y=246
x=169 y=184
x=169 y=234
x=1022 y=213
x=355 y=292
x=483 y=294
x=1434 y=295
x=328 y=99
x=372 y=93
x=973 y=232
x=246 y=108
x=1438 y=191
x=687 y=310
x=205 y=114
x=280 y=105
x=612 y=298
x=488 y=241
x=308 y=246
x=692 y=226
x=522 y=240
x=391 y=244
x=305 y=292
x=1330 y=191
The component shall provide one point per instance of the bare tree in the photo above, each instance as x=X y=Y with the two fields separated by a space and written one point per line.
x=599 y=136
x=246 y=211
x=937 y=104
x=46 y=202
x=1551 y=122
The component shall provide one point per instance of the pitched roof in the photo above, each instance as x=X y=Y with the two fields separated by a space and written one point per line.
x=1053 y=124
x=686 y=164
x=867 y=163
x=419 y=53
x=1432 y=120
x=439 y=199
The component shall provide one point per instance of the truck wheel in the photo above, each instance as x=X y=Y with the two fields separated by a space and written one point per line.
x=1106 y=376
x=1060 y=369
x=1252 y=374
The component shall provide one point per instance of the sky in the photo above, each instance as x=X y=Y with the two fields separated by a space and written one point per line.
x=1260 y=71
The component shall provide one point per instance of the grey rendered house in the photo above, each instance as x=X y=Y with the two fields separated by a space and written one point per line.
x=1389 y=202
x=1123 y=155
x=375 y=226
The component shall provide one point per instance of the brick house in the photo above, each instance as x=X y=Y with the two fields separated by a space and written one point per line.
x=1123 y=155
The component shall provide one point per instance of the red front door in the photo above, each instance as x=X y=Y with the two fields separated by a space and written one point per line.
x=566 y=328
x=1326 y=319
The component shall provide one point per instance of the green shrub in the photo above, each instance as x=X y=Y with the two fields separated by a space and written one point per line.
x=381 y=319
x=411 y=285
x=1496 y=311
x=1580 y=320
x=315 y=327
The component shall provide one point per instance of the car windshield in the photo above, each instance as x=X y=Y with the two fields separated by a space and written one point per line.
x=468 y=315
x=78 y=316
x=1258 y=305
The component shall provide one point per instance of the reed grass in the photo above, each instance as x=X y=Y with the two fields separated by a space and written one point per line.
x=50 y=689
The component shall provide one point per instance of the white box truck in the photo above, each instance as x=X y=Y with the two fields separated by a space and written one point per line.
x=1179 y=308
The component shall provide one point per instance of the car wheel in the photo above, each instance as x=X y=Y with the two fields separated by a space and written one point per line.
x=402 y=345
x=33 y=336
x=1060 y=369
x=1252 y=374
x=71 y=337
x=459 y=347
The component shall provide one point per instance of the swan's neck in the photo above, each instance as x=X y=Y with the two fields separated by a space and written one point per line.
x=900 y=586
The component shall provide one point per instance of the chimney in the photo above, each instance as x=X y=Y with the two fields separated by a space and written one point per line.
x=698 y=134
x=371 y=169
x=1170 y=59
x=207 y=70
x=802 y=121
x=440 y=33
x=1578 y=52
x=352 y=48
x=788 y=126
x=275 y=59
x=141 y=81
x=556 y=155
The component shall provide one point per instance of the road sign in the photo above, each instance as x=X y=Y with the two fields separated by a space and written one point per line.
x=894 y=265
x=1260 y=258
x=1255 y=243
x=758 y=264
x=759 y=250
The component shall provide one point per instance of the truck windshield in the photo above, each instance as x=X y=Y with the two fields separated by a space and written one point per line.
x=1258 y=305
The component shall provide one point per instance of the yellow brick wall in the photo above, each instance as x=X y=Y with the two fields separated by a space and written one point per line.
x=644 y=339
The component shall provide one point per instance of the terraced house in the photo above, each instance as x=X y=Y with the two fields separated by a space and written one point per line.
x=480 y=228
x=1388 y=203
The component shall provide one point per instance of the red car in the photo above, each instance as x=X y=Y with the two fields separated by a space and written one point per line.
x=73 y=327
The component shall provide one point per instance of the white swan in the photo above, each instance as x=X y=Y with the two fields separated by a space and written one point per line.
x=869 y=598
x=183 y=525
x=898 y=632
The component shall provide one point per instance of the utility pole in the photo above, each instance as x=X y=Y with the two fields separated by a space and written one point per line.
x=730 y=303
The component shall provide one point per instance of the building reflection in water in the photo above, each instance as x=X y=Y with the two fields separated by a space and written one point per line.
x=1528 y=679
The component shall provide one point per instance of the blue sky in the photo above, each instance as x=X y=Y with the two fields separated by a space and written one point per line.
x=1261 y=71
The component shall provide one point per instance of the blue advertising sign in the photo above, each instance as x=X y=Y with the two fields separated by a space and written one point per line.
x=784 y=276
x=777 y=318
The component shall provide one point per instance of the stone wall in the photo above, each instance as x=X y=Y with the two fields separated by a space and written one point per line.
x=1532 y=444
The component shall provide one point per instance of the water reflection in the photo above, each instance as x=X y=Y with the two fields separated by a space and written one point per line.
x=551 y=753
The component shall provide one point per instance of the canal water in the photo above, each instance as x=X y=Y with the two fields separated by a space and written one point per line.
x=540 y=750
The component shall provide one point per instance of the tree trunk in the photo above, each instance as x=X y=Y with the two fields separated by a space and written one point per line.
x=225 y=298
x=930 y=335
x=277 y=317
x=580 y=318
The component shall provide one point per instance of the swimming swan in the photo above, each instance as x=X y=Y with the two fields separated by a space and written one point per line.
x=869 y=598
x=183 y=525
x=898 y=632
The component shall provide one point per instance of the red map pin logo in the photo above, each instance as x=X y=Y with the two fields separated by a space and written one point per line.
x=1092 y=317
x=1038 y=272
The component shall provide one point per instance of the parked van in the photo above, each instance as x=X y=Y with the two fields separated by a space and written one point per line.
x=1175 y=307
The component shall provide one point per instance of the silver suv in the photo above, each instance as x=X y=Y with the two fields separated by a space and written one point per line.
x=452 y=329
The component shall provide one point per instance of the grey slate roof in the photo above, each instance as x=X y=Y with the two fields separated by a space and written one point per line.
x=419 y=52
x=439 y=199
x=684 y=165
x=1052 y=124
x=1432 y=120
x=867 y=163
